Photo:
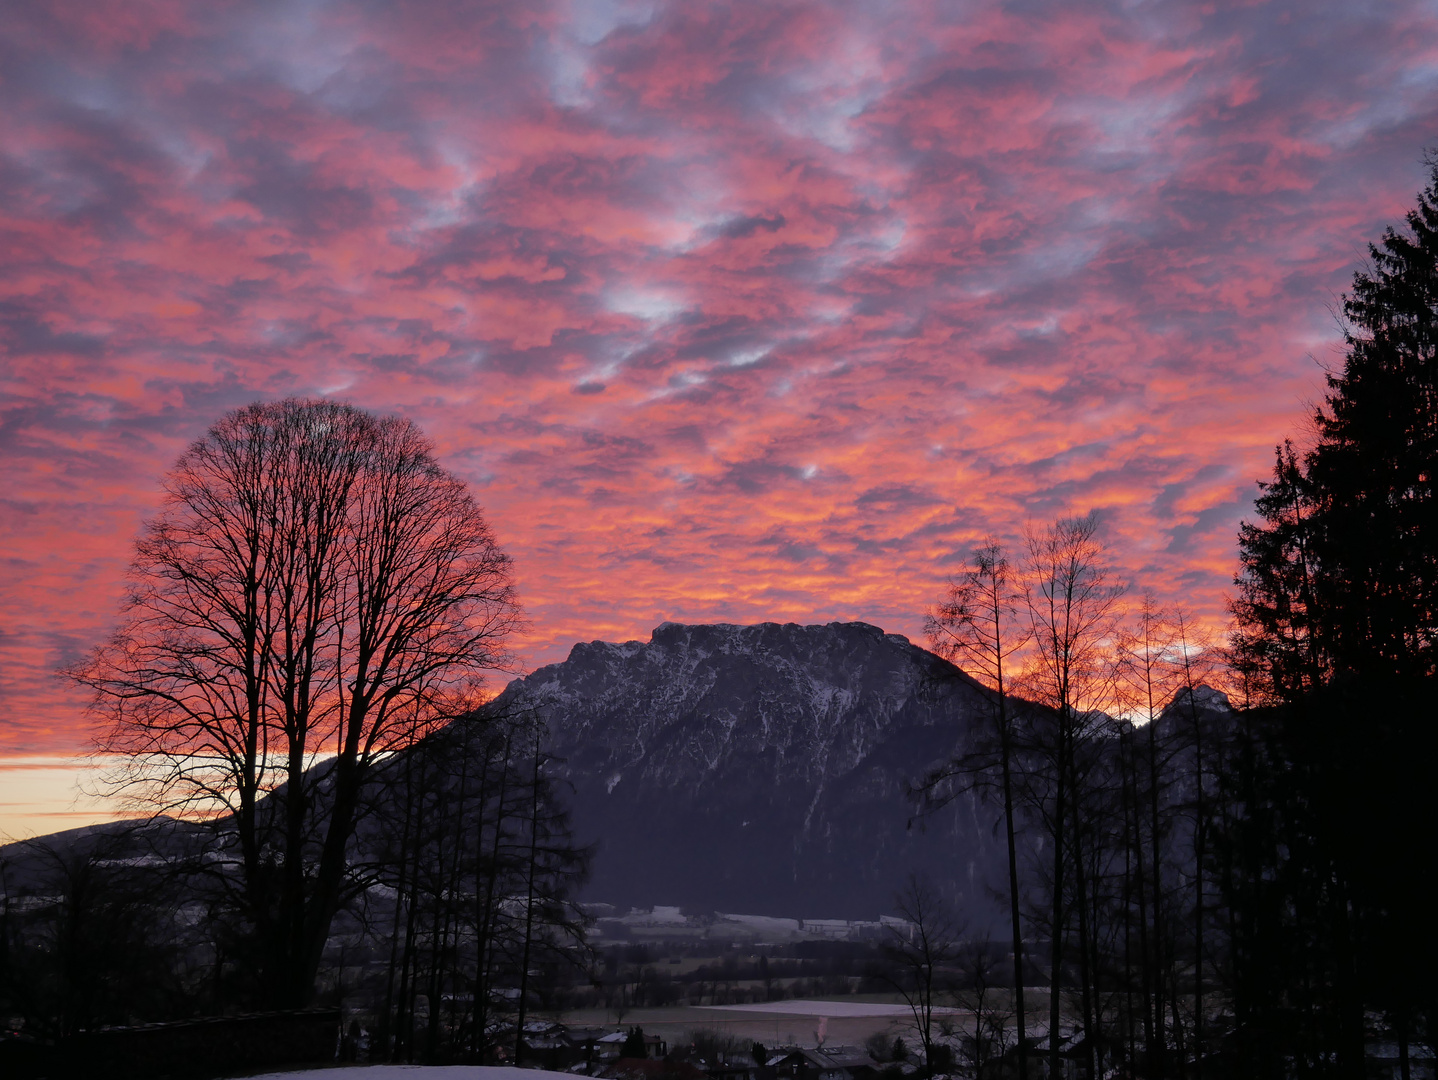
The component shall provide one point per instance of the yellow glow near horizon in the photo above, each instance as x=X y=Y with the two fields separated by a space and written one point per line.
x=40 y=795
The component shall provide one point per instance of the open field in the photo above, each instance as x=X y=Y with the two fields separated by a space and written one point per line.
x=848 y=1021
x=833 y=1009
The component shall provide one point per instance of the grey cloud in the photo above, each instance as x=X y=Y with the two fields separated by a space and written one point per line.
x=1225 y=514
x=893 y=498
x=740 y=227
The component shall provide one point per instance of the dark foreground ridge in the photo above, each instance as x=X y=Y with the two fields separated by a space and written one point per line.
x=764 y=768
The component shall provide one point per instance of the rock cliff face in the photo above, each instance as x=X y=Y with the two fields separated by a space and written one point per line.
x=765 y=768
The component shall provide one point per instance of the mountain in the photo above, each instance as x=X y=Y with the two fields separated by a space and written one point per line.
x=762 y=770
x=765 y=769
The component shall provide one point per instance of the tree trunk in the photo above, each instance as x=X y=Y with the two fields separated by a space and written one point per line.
x=484 y=936
x=528 y=911
x=1005 y=749
x=1082 y=909
x=1159 y=1046
x=1057 y=931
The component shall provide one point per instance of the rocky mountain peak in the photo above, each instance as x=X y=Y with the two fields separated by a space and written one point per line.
x=744 y=766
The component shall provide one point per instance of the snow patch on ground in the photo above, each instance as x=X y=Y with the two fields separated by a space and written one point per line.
x=423 y=1072
x=767 y=924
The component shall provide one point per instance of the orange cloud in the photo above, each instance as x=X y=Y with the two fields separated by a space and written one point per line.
x=726 y=311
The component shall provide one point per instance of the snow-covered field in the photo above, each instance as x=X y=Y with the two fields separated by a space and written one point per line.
x=424 y=1072
x=832 y=1009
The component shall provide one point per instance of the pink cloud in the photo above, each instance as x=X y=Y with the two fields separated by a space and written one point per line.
x=727 y=311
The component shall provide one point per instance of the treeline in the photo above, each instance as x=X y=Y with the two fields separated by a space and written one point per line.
x=456 y=913
x=1239 y=883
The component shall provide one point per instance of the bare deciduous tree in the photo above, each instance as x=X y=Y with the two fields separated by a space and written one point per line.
x=920 y=949
x=978 y=969
x=1071 y=601
x=315 y=593
x=978 y=628
x=1195 y=662
x=1146 y=685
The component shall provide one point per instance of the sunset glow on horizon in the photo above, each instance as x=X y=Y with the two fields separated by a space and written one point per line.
x=727 y=312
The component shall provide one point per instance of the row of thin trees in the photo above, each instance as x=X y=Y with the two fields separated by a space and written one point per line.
x=1101 y=753
x=478 y=922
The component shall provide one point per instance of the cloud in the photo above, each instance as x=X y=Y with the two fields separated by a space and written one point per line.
x=735 y=311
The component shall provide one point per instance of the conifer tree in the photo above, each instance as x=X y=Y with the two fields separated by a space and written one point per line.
x=1341 y=575
x=1373 y=471
x=1337 y=628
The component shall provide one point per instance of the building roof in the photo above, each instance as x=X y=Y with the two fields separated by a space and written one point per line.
x=826 y=1058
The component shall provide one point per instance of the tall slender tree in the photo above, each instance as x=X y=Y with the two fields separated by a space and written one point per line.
x=1194 y=662
x=1146 y=685
x=1070 y=600
x=977 y=626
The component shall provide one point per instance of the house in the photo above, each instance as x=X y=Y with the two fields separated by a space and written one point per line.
x=648 y=1069
x=731 y=1070
x=585 y=1047
x=821 y=1063
x=544 y=1043
x=611 y=1046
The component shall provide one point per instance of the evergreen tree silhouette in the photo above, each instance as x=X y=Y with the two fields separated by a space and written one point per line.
x=1337 y=635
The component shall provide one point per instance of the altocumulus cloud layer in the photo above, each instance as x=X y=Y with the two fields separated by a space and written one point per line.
x=740 y=311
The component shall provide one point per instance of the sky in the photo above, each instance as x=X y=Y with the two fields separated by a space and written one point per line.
x=727 y=312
